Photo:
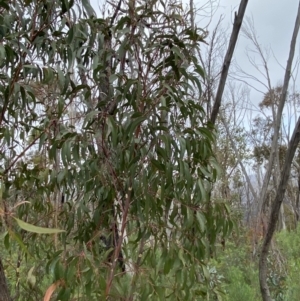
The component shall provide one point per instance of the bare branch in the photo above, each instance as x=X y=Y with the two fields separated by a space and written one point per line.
x=233 y=39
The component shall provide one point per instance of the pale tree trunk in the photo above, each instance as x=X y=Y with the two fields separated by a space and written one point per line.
x=298 y=200
x=276 y=108
x=277 y=169
x=282 y=217
x=282 y=224
x=4 y=291
x=279 y=113
x=275 y=211
x=285 y=172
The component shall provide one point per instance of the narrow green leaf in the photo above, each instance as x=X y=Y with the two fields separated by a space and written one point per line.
x=88 y=8
x=40 y=230
x=61 y=79
x=158 y=165
x=2 y=53
x=201 y=220
x=200 y=70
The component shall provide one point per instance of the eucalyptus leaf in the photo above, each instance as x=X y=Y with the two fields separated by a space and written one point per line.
x=40 y=230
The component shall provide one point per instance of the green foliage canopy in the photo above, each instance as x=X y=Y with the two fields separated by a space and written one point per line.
x=102 y=110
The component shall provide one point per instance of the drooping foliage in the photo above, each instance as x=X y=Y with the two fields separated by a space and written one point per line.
x=102 y=137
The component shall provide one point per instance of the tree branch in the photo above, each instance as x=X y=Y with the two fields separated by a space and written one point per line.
x=238 y=19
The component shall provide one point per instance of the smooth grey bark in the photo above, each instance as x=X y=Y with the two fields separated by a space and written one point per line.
x=276 y=173
x=279 y=113
x=4 y=291
x=238 y=19
x=275 y=212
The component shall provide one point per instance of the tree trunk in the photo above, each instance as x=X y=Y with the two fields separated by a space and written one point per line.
x=275 y=212
x=4 y=292
x=297 y=200
x=265 y=292
x=277 y=125
x=238 y=19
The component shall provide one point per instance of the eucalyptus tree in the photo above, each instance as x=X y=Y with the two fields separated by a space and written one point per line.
x=97 y=110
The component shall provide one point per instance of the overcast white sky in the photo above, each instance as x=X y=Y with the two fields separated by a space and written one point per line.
x=274 y=22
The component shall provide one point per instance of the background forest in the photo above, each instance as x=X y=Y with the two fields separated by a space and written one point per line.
x=134 y=163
